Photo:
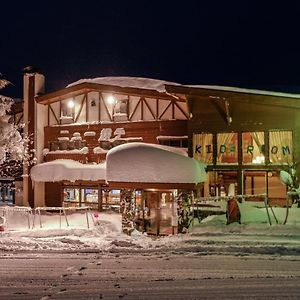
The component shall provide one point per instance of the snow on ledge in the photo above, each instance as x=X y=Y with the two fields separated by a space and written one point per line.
x=129 y=82
x=141 y=162
x=67 y=169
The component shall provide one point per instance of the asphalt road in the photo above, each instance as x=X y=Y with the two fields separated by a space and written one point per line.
x=147 y=276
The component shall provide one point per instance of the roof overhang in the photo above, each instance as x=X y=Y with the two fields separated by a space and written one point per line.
x=86 y=87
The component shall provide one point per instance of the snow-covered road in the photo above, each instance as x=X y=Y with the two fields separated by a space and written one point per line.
x=147 y=276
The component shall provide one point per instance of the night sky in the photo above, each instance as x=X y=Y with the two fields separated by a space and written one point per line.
x=233 y=43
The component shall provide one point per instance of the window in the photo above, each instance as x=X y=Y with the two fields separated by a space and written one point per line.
x=120 y=112
x=253 y=148
x=227 y=148
x=173 y=141
x=67 y=111
x=203 y=147
x=281 y=147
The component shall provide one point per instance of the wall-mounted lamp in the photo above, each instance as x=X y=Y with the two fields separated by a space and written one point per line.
x=110 y=100
x=71 y=104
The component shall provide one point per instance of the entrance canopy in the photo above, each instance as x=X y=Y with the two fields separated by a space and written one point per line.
x=149 y=163
x=127 y=163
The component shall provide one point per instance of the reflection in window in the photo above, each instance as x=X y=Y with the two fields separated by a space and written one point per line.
x=227 y=148
x=281 y=147
x=253 y=148
x=71 y=195
x=203 y=147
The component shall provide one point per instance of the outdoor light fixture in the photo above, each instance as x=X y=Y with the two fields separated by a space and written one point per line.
x=71 y=104
x=110 y=99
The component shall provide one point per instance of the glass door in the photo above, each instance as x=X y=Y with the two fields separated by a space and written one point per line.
x=159 y=208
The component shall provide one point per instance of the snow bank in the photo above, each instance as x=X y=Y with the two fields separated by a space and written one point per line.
x=140 y=162
x=67 y=169
x=132 y=82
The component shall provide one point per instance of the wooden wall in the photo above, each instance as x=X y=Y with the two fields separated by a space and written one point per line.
x=147 y=130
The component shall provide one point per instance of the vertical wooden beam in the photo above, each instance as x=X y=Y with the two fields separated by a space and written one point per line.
x=87 y=108
x=99 y=108
x=60 y=113
x=142 y=108
x=48 y=116
x=173 y=110
x=157 y=108
x=128 y=106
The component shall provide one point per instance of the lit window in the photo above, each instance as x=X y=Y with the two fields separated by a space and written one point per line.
x=253 y=148
x=227 y=151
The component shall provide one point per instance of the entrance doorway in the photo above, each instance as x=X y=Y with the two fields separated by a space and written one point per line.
x=160 y=212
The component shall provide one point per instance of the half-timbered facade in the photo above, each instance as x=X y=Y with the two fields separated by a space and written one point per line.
x=86 y=119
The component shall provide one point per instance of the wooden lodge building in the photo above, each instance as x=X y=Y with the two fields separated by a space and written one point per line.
x=244 y=137
x=85 y=121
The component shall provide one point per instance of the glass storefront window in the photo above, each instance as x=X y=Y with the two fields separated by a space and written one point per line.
x=71 y=195
x=111 y=200
x=253 y=148
x=227 y=146
x=281 y=147
x=221 y=184
x=203 y=147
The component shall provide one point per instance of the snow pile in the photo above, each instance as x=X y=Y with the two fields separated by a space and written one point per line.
x=209 y=237
x=67 y=169
x=129 y=82
x=140 y=162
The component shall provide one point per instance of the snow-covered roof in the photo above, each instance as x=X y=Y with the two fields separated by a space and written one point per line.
x=128 y=82
x=147 y=163
x=244 y=90
x=67 y=169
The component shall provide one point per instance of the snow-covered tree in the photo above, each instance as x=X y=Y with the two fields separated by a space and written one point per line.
x=11 y=141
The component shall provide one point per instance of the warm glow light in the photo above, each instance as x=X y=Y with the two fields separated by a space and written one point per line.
x=71 y=104
x=110 y=99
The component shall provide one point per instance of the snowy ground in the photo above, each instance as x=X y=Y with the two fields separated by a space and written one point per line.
x=211 y=236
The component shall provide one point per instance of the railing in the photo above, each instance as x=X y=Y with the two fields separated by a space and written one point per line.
x=31 y=213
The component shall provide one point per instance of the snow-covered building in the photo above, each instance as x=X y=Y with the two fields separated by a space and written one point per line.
x=244 y=136
x=90 y=144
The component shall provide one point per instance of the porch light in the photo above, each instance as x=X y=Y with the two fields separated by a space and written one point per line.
x=110 y=99
x=71 y=104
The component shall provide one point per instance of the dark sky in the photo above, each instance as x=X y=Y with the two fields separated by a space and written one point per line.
x=235 y=43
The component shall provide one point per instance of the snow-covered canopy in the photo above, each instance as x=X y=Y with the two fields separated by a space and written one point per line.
x=129 y=82
x=131 y=162
x=67 y=169
x=148 y=163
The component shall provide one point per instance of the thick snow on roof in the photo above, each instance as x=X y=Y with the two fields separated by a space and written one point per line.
x=141 y=162
x=131 y=82
x=67 y=169
x=244 y=90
